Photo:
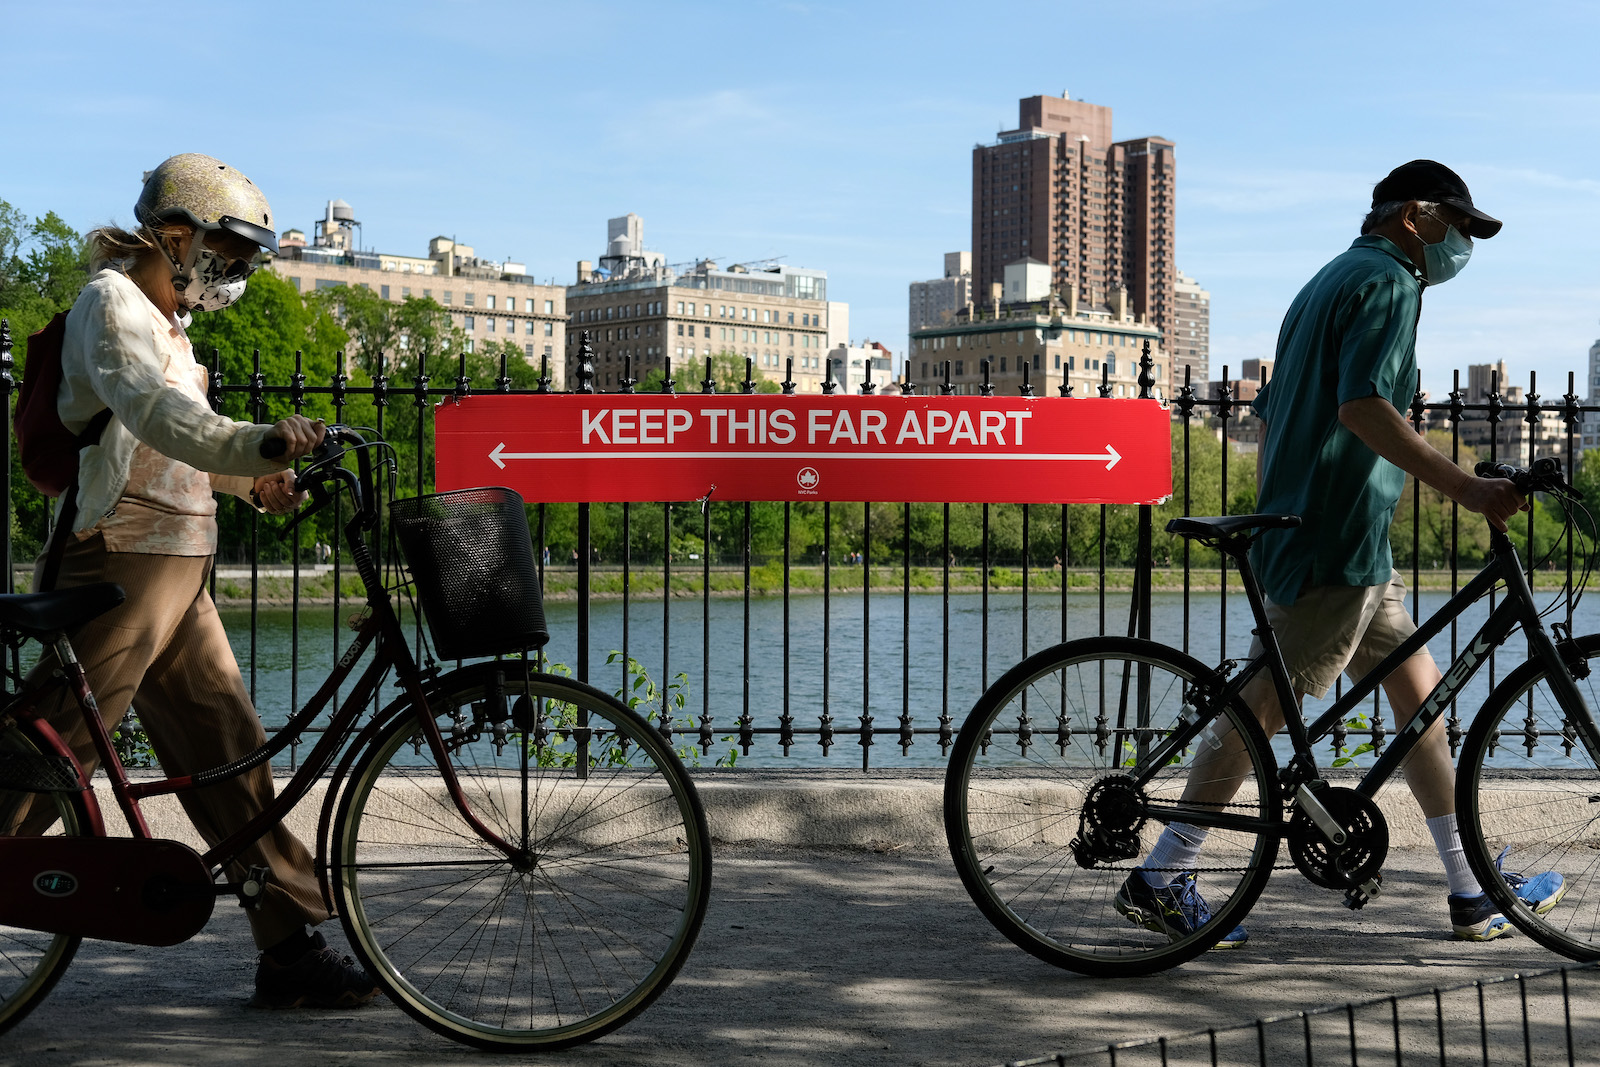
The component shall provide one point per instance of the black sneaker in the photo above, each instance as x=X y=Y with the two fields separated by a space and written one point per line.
x=321 y=978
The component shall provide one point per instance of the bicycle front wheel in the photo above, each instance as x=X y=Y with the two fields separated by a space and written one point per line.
x=1057 y=790
x=30 y=961
x=591 y=915
x=1528 y=798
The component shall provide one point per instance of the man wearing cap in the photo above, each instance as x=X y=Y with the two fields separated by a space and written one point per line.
x=1336 y=448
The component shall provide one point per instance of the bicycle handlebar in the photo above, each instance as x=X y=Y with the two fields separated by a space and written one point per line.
x=1544 y=476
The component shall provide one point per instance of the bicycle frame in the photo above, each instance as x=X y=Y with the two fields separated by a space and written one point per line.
x=1517 y=610
x=381 y=626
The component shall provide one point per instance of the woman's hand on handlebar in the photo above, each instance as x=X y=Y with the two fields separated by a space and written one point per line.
x=275 y=493
x=299 y=436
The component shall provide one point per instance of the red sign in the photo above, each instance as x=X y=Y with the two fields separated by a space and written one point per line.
x=650 y=446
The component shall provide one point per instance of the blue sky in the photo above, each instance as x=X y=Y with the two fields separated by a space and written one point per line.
x=839 y=135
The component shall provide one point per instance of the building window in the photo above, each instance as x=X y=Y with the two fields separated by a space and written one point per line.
x=296 y=283
x=405 y=292
x=488 y=301
x=549 y=329
x=468 y=322
x=489 y=324
x=427 y=294
x=791 y=318
x=960 y=368
x=528 y=327
x=447 y=296
x=470 y=298
x=383 y=291
x=549 y=307
x=327 y=283
x=471 y=345
x=547 y=350
x=680 y=307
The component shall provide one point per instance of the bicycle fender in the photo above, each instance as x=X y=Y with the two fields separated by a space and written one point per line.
x=133 y=890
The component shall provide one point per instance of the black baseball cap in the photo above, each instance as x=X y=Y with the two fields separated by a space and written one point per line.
x=1423 y=179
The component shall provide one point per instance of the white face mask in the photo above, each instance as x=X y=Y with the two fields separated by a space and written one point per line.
x=209 y=281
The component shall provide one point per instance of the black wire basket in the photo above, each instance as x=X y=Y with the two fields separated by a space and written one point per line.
x=471 y=557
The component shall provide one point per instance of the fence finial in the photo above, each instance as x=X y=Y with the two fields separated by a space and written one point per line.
x=585 y=363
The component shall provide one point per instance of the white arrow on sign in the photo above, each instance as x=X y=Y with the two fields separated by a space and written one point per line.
x=1116 y=457
x=499 y=455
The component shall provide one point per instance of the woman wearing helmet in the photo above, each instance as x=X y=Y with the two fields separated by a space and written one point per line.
x=146 y=520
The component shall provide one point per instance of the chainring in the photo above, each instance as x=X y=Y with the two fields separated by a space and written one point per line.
x=1366 y=840
x=1114 y=811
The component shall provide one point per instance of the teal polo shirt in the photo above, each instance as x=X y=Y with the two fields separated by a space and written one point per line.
x=1351 y=333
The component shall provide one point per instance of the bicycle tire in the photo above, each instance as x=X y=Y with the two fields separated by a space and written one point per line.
x=32 y=962
x=1520 y=787
x=1025 y=759
x=581 y=933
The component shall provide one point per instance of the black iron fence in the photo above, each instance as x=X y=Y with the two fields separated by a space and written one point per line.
x=1543 y=1018
x=790 y=631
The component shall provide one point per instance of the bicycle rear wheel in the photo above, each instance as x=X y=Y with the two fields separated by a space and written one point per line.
x=1528 y=797
x=1042 y=764
x=31 y=962
x=580 y=930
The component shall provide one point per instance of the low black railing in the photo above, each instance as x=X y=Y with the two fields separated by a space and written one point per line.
x=885 y=629
x=1517 y=1018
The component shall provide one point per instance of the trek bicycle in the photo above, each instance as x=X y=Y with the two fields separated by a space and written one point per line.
x=1071 y=764
x=517 y=858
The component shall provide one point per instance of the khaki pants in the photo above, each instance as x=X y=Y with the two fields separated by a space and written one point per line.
x=164 y=650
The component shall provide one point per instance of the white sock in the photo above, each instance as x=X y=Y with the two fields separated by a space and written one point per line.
x=1447 y=839
x=1177 y=850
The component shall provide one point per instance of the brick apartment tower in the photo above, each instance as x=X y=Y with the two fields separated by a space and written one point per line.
x=1099 y=212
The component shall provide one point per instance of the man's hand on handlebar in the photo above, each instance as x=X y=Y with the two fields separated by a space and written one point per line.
x=275 y=493
x=1496 y=499
x=299 y=436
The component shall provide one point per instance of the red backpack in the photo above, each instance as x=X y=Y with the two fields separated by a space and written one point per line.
x=48 y=450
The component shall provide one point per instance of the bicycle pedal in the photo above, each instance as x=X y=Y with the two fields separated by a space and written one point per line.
x=253 y=890
x=1358 y=896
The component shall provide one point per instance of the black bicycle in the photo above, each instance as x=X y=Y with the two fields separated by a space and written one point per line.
x=520 y=860
x=1069 y=766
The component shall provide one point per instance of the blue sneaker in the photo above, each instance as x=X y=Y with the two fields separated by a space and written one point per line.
x=1475 y=918
x=1540 y=893
x=1176 y=910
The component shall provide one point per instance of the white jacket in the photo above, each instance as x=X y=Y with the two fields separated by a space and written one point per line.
x=112 y=357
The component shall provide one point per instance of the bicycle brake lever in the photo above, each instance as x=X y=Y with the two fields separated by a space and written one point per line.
x=320 y=497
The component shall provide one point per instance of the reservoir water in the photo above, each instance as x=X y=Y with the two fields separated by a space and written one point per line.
x=854 y=674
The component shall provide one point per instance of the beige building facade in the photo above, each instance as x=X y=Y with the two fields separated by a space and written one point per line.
x=1050 y=343
x=491 y=301
x=640 y=312
x=1190 y=338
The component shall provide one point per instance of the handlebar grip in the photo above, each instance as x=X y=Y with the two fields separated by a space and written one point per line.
x=273 y=447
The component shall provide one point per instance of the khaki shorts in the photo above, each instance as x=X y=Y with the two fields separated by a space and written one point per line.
x=1333 y=628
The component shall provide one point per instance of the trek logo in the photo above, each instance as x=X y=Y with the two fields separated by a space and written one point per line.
x=1452 y=682
x=55 y=884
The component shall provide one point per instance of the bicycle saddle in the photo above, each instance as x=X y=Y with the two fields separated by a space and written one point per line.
x=1228 y=525
x=39 y=614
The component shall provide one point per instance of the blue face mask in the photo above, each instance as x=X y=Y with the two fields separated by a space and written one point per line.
x=1444 y=259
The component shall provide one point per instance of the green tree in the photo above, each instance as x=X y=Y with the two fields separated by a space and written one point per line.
x=43 y=265
x=727 y=369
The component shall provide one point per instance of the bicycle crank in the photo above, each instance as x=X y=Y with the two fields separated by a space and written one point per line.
x=1352 y=865
x=142 y=892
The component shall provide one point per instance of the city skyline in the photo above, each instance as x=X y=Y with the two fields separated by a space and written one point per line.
x=1284 y=118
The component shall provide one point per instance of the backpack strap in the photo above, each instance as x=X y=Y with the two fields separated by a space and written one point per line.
x=69 y=507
